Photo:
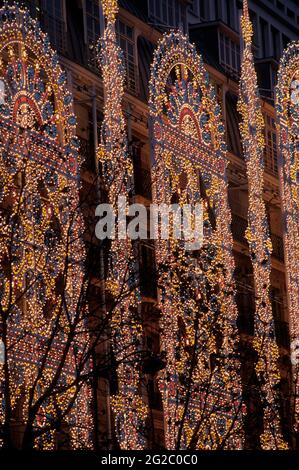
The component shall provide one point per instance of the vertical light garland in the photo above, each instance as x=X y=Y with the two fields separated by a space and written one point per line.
x=260 y=246
x=187 y=141
x=287 y=109
x=129 y=408
x=39 y=199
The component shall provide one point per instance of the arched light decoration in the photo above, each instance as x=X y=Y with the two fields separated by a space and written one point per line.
x=128 y=406
x=287 y=109
x=189 y=161
x=39 y=227
x=258 y=237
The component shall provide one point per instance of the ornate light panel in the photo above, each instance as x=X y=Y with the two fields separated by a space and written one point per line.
x=196 y=289
x=40 y=228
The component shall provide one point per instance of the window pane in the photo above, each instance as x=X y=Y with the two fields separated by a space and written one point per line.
x=158 y=9
x=129 y=32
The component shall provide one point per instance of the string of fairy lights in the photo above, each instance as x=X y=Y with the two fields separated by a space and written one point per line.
x=260 y=246
x=287 y=108
x=128 y=406
x=39 y=191
x=196 y=293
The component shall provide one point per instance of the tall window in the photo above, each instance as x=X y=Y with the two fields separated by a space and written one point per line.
x=275 y=42
x=264 y=43
x=230 y=55
x=93 y=29
x=53 y=22
x=203 y=9
x=216 y=9
x=228 y=12
x=125 y=34
x=271 y=145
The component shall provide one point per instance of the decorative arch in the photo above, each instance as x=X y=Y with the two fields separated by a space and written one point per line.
x=39 y=210
x=27 y=47
x=188 y=143
x=287 y=109
x=192 y=95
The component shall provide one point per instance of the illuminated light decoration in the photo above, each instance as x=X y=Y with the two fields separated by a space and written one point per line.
x=39 y=196
x=110 y=9
x=260 y=246
x=189 y=163
x=287 y=109
x=128 y=406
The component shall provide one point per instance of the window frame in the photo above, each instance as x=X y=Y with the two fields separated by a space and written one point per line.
x=127 y=42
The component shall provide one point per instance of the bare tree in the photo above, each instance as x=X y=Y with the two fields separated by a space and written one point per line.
x=55 y=324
